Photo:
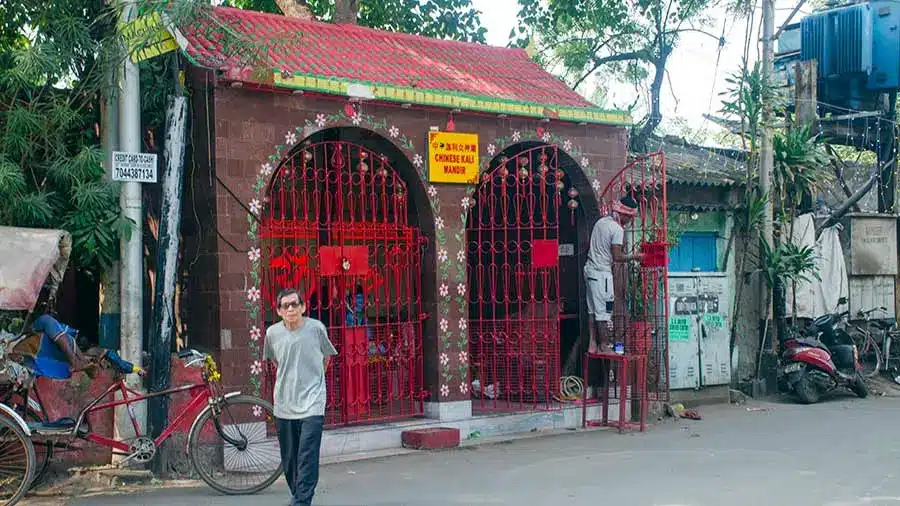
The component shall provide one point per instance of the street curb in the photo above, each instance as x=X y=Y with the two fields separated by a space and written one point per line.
x=107 y=480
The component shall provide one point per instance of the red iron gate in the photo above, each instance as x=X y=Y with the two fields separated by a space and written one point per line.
x=337 y=227
x=512 y=237
x=641 y=312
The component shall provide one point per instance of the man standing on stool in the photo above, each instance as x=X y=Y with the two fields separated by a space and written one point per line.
x=606 y=248
x=302 y=351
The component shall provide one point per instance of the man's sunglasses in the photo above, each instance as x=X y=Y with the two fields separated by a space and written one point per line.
x=290 y=305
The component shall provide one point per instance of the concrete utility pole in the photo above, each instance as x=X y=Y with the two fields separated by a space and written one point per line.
x=766 y=161
x=132 y=274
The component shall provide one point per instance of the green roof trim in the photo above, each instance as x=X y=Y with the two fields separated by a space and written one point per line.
x=452 y=100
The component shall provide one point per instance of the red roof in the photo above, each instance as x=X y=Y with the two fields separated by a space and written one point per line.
x=355 y=53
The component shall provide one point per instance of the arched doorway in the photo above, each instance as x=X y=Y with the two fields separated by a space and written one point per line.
x=339 y=225
x=640 y=316
x=523 y=236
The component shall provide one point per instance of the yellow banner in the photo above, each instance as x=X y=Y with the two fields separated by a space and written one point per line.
x=147 y=37
x=452 y=157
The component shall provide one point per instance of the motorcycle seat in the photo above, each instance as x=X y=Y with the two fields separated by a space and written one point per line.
x=811 y=342
x=884 y=324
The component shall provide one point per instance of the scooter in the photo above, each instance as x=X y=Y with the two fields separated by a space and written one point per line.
x=821 y=361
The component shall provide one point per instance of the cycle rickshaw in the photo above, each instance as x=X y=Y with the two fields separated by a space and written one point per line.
x=231 y=443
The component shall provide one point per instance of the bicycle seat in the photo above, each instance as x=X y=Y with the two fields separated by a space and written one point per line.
x=61 y=426
x=884 y=324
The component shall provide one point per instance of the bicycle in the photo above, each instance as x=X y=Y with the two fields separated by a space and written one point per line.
x=237 y=423
x=870 y=352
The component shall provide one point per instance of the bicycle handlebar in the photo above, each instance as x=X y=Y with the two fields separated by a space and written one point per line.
x=191 y=357
x=870 y=311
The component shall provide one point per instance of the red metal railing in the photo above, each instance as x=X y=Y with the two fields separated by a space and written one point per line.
x=338 y=228
x=512 y=235
x=640 y=315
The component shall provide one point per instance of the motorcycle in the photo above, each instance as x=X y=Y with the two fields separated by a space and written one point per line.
x=822 y=359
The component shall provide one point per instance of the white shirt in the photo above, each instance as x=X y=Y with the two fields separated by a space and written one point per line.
x=606 y=233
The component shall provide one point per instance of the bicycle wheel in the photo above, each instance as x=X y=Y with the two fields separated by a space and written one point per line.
x=236 y=452
x=869 y=355
x=17 y=462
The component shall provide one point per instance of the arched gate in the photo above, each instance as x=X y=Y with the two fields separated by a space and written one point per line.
x=640 y=315
x=337 y=227
x=512 y=236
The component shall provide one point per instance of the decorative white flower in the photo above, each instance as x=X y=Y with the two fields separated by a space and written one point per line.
x=255 y=333
x=585 y=161
x=290 y=138
x=417 y=161
x=444 y=359
x=567 y=145
x=460 y=256
x=546 y=137
x=516 y=136
x=439 y=223
x=492 y=149
x=253 y=294
x=465 y=202
x=266 y=169
x=461 y=289
x=595 y=184
x=445 y=391
x=256 y=368
x=432 y=191
x=442 y=255
x=394 y=131
x=253 y=254
x=463 y=325
x=464 y=388
x=444 y=325
x=320 y=120
x=257 y=411
x=356 y=119
x=255 y=206
x=443 y=290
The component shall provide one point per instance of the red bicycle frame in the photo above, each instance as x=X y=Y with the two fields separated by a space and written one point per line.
x=201 y=398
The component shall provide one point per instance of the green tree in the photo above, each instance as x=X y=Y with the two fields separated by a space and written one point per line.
x=53 y=62
x=631 y=40
x=445 y=19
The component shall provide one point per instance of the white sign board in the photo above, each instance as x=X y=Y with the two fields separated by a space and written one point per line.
x=134 y=167
x=873 y=246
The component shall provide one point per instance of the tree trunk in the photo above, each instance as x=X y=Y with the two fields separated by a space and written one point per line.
x=654 y=118
x=346 y=11
x=295 y=9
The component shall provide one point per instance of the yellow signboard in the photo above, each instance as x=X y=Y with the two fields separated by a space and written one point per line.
x=147 y=37
x=452 y=157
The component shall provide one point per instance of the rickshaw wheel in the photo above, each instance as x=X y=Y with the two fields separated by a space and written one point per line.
x=17 y=462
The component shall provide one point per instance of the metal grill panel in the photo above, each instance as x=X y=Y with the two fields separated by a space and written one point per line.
x=641 y=312
x=512 y=236
x=337 y=227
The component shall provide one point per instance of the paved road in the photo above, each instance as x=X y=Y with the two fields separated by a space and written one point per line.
x=843 y=452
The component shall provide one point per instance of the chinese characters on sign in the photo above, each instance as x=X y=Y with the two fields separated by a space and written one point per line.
x=134 y=167
x=452 y=157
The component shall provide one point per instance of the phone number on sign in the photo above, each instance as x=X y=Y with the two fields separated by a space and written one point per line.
x=131 y=173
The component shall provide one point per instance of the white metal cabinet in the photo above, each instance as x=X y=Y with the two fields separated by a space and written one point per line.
x=699 y=339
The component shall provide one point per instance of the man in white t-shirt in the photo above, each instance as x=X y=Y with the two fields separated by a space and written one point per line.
x=606 y=248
